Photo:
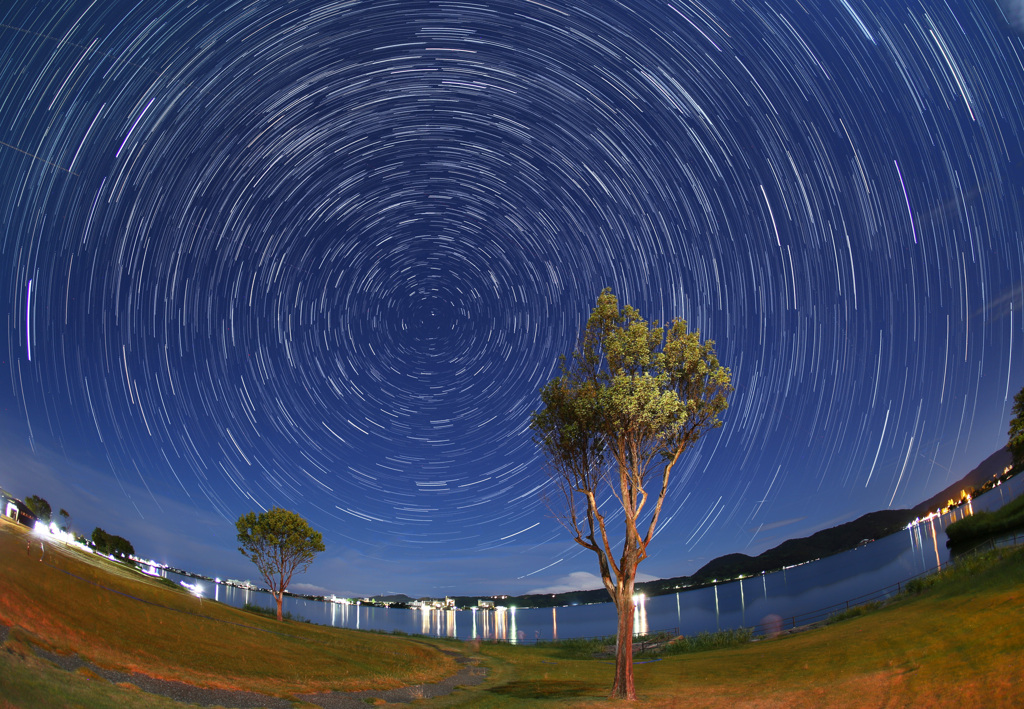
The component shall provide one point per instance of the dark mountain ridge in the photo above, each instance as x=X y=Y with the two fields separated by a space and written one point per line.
x=873 y=525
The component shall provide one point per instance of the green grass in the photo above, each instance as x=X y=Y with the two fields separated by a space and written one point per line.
x=856 y=611
x=954 y=641
x=579 y=648
x=272 y=613
x=702 y=642
x=646 y=646
x=982 y=525
x=119 y=618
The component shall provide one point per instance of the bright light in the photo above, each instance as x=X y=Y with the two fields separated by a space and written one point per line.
x=194 y=588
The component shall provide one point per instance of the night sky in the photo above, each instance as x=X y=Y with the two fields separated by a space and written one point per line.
x=323 y=255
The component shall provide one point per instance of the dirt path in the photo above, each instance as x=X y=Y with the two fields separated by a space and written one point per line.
x=471 y=673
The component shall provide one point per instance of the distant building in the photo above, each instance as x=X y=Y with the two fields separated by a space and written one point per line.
x=15 y=509
x=8 y=506
x=246 y=585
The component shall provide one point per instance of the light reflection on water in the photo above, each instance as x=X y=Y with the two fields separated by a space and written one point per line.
x=797 y=590
x=640 y=616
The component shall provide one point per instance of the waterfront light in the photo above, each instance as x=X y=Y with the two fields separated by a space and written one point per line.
x=194 y=588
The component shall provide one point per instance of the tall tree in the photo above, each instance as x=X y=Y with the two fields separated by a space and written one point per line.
x=279 y=542
x=111 y=544
x=40 y=508
x=1016 y=432
x=629 y=400
x=65 y=519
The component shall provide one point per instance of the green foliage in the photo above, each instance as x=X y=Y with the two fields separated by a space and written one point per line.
x=580 y=648
x=967 y=568
x=709 y=641
x=40 y=508
x=921 y=584
x=279 y=542
x=982 y=525
x=271 y=613
x=112 y=544
x=1016 y=432
x=629 y=400
x=652 y=645
x=856 y=611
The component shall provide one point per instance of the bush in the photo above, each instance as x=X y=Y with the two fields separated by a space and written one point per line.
x=917 y=586
x=965 y=567
x=708 y=641
x=982 y=525
x=272 y=613
x=862 y=609
x=579 y=648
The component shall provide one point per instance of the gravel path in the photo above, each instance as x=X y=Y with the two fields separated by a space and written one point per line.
x=470 y=674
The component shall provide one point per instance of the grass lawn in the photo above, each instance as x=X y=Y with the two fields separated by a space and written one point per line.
x=958 y=643
x=119 y=619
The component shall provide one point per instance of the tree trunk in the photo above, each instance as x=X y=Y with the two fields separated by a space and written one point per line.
x=623 y=688
x=279 y=597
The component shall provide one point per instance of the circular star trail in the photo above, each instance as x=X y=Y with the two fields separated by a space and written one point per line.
x=323 y=255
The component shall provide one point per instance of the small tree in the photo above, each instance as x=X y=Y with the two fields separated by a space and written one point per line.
x=279 y=542
x=65 y=519
x=630 y=399
x=40 y=508
x=1016 y=432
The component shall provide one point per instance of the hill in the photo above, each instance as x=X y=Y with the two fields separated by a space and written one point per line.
x=393 y=598
x=989 y=468
x=796 y=551
x=826 y=542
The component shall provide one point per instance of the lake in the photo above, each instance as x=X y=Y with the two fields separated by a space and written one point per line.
x=794 y=596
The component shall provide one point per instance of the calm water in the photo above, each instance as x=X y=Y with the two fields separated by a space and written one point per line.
x=820 y=585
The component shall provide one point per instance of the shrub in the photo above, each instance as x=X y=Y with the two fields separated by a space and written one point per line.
x=272 y=613
x=579 y=648
x=917 y=586
x=982 y=525
x=855 y=611
x=965 y=567
x=708 y=641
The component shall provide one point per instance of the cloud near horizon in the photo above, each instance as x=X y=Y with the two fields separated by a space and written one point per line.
x=581 y=581
x=775 y=525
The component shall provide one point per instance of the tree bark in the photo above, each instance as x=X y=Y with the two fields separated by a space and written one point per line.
x=622 y=688
x=279 y=597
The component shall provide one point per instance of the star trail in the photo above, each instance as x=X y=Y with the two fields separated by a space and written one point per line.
x=323 y=255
